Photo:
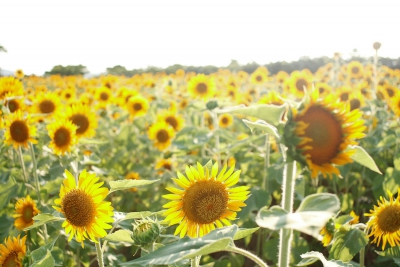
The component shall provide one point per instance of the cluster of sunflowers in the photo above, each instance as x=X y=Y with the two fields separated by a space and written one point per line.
x=62 y=135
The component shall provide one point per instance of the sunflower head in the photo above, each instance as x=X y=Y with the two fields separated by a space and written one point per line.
x=384 y=222
x=145 y=231
x=225 y=120
x=206 y=200
x=12 y=251
x=62 y=135
x=25 y=210
x=83 y=117
x=10 y=85
x=137 y=106
x=327 y=232
x=47 y=103
x=171 y=118
x=202 y=86
x=19 y=130
x=319 y=133
x=83 y=206
x=162 y=134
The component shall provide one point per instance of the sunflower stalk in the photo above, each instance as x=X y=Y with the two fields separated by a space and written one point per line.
x=362 y=256
x=99 y=252
x=35 y=176
x=21 y=158
x=287 y=204
x=216 y=128
x=247 y=254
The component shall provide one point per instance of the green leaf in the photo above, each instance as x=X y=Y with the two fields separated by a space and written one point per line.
x=269 y=113
x=242 y=233
x=126 y=184
x=7 y=191
x=362 y=157
x=121 y=216
x=47 y=261
x=347 y=243
x=313 y=213
x=392 y=252
x=43 y=218
x=120 y=236
x=388 y=141
x=171 y=253
x=262 y=125
x=40 y=253
x=313 y=256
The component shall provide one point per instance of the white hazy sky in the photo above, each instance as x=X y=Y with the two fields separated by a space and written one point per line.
x=99 y=34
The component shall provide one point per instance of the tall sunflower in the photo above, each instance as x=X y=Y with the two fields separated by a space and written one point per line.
x=62 y=135
x=201 y=86
x=83 y=206
x=162 y=134
x=12 y=251
x=384 y=224
x=84 y=118
x=207 y=200
x=323 y=130
x=25 y=210
x=19 y=130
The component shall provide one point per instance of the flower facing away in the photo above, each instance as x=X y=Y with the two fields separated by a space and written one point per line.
x=12 y=251
x=324 y=130
x=207 y=201
x=25 y=210
x=327 y=232
x=62 y=134
x=162 y=134
x=19 y=130
x=384 y=224
x=83 y=206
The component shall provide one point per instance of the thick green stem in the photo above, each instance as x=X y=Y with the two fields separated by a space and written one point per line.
x=266 y=162
x=247 y=254
x=21 y=158
x=216 y=127
x=362 y=256
x=35 y=176
x=99 y=254
x=287 y=204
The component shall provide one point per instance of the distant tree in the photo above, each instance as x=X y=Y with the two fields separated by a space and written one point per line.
x=3 y=49
x=67 y=71
x=118 y=70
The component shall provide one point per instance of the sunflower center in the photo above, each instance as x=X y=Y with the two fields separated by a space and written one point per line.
x=355 y=70
x=325 y=132
x=224 y=121
x=137 y=106
x=19 y=131
x=344 y=96
x=67 y=95
x=172 y=121
x=11 y=259
x=389 y=219
x=104 y=96
x=81 y=121
x=13 y=106
x=162 y=136
x=390 y=92
x=258 y=78
x=47 y=106
x=62 y=137
x=201 y=88
x=27 y=214
x=205 y=201
x=78 y=208
x=167 y=166
x=300 y=84
x=321 y=90
x=355 y=103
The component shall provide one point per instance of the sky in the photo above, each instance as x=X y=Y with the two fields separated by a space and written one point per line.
x=136 y=34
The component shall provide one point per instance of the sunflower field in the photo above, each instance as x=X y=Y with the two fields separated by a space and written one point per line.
x=187 y=169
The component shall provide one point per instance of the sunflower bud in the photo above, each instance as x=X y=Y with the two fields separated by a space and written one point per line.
x=145 y=232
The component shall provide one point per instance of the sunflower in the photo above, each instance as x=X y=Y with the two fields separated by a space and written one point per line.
x=25 y=209
x=162 y=133
x=12 y=251
x=327 y=232
x=384 y=224
x=19 y=130
x=68 y=94
x=299 y=82
x=395 y=104
x=19 y=74
x=323 y=88
x=356 y=100
x=84 y=118
x=355 y=70
x=83 y=206
x=343 y=93
x=14 y=103
x=46 y=103
x=10 y=85
x=173 y=119
x=207 y=200
x=258 y=77
x=165 y=164
x=62 y=135
x=326 y=129
x=137 y=106
x=103 y=96
x=201 y=86
x=355 y=219
x=225 y=120
x=272 y=98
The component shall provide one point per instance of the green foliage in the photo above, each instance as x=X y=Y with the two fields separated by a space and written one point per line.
x=313 y=256
x=127 y=184
x=67 y=70
x=347 y=243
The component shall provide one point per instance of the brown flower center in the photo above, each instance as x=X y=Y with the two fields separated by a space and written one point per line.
x=62 y=137
x=205 y=201
x=19 y=131
x=344 y=96
x=162 y=136
x=27 y=214
x=137 y=106
x=78 y=208
x=104 y=96
x=389 y=219
x=201 y=88
x=13 y=106
x=12 y=260
x=355 y=103
x=355 y=70
x=47 y=106
x=81 y=121
x=300 y=84
x=259 y=78
x=224 y=120
x=171 y=120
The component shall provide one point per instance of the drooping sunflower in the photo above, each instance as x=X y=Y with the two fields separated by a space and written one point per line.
x=384 y=224
x=137 y=106
x=19 y=130
x=63 y=136
x=47 y=103
x=323 y=130
x=201 y=86
x=207 y=201
x=225 y=120
x=162 y=133
x=25 y=210
x=12 y=251
x=172 y=118
x=83 y=206
x=84 y=118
